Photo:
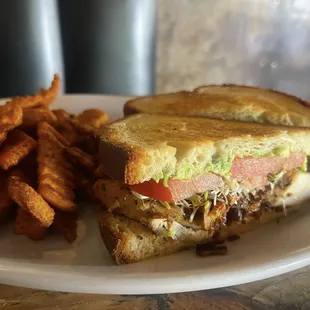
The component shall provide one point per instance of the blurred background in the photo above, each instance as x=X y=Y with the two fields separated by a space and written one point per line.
x=139 y=47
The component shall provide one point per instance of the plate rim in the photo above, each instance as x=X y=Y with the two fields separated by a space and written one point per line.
x=178 y=282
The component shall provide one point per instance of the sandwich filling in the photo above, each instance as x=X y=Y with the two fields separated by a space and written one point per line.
x=208 y=201
x=251 y=172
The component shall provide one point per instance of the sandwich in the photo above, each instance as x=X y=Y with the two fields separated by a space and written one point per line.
x=177 y=182
x=227 y=102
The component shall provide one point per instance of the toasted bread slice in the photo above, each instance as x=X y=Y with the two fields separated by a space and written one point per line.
x=143 y=147
x=228 y=102
x=129 y=241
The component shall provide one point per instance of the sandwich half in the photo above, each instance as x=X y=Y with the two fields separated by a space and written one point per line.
x=181 y=181
x=227 y=102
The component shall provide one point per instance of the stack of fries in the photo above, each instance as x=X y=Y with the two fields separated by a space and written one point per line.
x=48 y=163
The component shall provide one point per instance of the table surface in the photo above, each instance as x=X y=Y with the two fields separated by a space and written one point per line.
x=289 y=291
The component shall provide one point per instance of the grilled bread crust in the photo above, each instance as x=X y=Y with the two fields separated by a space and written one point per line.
x=129 y=241
x=227 y=102
x=143 y=147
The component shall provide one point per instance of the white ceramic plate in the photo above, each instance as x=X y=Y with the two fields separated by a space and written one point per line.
x=86 y=266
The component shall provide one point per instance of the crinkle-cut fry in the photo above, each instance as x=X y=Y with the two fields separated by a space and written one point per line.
x=26 y=224
x=6 y=202
x=62 y=115
x=3 y=136
x=17 y=174
x=84 y=185
x=56 y=199
x=45 y=97
x=48 y=149
x=89 y=144
x=51 y=151
x=15 y=148
x=27 y=198
x=90 y=120
x=49 y=95
x=64 y=126
x=58 y=186
x=33 y=116
x=45 y=130
x=29 y=166
x=69 y=132
x=55 y=176
x=81 y=158
x=30 y=131
x=93 y=117
x=56 y=172
x=66 y=224
x=11 y=116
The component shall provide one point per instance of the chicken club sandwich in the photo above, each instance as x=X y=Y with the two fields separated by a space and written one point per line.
x=179 y=181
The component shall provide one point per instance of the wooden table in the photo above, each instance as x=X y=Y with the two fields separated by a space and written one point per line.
x=289 y=291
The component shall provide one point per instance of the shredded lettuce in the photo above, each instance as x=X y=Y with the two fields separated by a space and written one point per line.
x=207 y=206
x=205 y=195
x=196 y=200
x=165 y=204
x=195 y=209
x=169 y=233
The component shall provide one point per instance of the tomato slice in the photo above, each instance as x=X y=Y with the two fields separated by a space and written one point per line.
x=153 y=190
x=178 y=189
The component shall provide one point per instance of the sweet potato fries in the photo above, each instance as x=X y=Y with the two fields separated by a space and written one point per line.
x=48 y=160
